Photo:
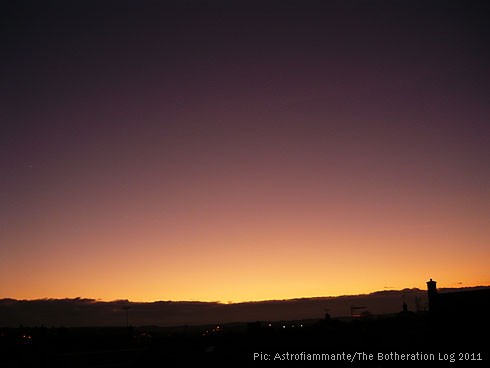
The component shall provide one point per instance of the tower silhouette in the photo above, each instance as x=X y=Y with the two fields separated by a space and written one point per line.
x=432 y=294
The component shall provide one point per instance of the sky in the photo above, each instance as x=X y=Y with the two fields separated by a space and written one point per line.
x=242 y=151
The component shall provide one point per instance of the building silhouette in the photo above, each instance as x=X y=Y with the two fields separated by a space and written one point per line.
x=474 y=302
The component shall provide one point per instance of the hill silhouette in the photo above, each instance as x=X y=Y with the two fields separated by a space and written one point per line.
x=83 y=312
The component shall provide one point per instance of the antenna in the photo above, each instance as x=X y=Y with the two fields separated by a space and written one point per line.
x=127 y=308
x=354 y=309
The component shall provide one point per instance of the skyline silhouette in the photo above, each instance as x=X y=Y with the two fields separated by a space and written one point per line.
x=448 y=329
x=85 y=312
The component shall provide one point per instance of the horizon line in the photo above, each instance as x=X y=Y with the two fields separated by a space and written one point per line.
x=100 y=300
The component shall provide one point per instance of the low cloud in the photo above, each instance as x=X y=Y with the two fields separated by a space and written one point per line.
x=89 y=312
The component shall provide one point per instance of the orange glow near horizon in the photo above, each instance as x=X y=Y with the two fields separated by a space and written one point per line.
x=245 y=259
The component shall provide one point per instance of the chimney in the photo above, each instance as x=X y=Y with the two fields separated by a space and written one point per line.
x=432 y=294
